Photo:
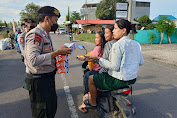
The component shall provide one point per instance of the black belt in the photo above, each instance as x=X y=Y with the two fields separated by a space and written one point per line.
x=33 y=76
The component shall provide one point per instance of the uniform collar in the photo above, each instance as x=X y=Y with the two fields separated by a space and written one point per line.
x=43 y=30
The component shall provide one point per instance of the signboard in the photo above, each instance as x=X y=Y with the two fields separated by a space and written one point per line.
x=122 y=10
x=84 y=11
x=121 y=14
x=122 y=6
x=75 y=26
x=67 y=22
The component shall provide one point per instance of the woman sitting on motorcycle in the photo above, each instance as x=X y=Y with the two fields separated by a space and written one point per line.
x=108 y=37
x=123 y=63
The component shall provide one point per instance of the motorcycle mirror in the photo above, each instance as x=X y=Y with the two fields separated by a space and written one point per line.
x=81 y=47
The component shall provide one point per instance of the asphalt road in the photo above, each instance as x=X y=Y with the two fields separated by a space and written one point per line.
x=154 y=93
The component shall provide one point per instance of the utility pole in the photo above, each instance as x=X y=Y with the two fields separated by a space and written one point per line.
x=86 y=14
x=130 y=10
x=13 y=26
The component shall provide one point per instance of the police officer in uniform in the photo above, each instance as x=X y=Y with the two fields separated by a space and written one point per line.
x=29 y=24
x=40 y=64
x=23 y=27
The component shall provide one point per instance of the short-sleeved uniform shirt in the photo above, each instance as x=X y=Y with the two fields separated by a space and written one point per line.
x=38 y=48
x=21 y=41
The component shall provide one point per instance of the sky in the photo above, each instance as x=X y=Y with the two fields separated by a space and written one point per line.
x=10 y=9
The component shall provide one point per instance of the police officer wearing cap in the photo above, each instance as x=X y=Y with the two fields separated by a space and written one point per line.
x=40 y=64
x=23 y=27
x=29 y=24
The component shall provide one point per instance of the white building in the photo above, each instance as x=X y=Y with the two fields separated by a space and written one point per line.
x=138 y=9
x=88 y=12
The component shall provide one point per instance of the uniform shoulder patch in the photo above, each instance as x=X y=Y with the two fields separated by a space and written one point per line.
x=38 y=39
x=37 y=42
x=21 y=39
x=37 y=36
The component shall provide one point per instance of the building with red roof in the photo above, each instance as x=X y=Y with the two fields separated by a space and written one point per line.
x=94 y=25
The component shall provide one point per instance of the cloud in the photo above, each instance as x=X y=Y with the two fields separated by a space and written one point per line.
x=10 y=9
x=12 y=3
x=9 y=15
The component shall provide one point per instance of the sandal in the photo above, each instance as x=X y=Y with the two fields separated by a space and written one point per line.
x=88 y=105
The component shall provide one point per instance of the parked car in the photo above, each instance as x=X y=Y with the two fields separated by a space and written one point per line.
x=62 y=31
x=18 y=28
x=4 y=28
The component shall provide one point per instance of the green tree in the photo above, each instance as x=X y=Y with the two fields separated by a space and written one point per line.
x=144 y=21
x=152 y=36
x=5 y=23
x=170 y=29
x=74 y=16
x=18 y=23
x=161 y=26
x=106 y=9
x=10 y=25
x=1 y=23
x=30 y=11
x=150 y=26
x=135 y=19
x=68 y=16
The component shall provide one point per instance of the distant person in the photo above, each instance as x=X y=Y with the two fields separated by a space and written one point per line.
x=16 y=38
x=11 y=36
x=90 y=31
x=57 y=32
x=70 y=32
x=29 y=24
x=78 y=32
x=70 y=35
x=23 y=27
x=82 y=31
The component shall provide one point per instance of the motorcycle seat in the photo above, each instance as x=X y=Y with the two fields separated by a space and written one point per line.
x=122 y=90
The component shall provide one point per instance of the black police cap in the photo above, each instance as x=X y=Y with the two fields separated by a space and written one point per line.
x=29 y=20
x=22 y=24
x=49 y=11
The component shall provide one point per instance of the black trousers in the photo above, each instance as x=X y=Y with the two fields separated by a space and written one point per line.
x=42 y=94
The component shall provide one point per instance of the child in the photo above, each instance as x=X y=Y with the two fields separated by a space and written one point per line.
x=98 y=51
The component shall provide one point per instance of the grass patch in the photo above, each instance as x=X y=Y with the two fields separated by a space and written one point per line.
x=85 y=37
x=174 y=65
x=3 y=34
x=153 y=58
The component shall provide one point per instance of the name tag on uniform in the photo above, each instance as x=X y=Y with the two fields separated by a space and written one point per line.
x=47 y=43
x=46 y=49
x=46 y=40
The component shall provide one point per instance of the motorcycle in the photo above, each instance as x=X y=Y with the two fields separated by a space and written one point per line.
x=70 y=37
x=113 y=104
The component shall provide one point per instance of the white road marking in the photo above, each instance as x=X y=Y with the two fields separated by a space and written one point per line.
x=170 y=115
x=70 y=101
